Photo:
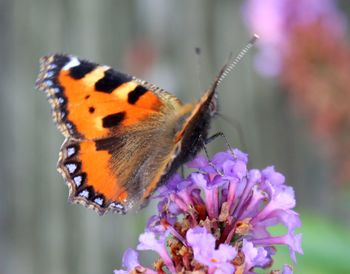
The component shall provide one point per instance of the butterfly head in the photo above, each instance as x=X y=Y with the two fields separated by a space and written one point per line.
x=213 y=105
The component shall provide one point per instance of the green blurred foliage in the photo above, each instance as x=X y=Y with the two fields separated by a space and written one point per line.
x=325 y=245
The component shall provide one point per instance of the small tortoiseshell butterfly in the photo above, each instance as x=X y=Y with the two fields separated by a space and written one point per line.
x=124 y=136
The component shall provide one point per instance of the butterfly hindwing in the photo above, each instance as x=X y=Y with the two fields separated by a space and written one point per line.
x=119 y=172
x=89 y=177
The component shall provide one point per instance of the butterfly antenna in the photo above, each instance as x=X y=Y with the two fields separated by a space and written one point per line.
x=232 y=63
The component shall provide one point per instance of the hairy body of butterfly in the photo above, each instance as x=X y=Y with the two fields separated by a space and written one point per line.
x=124 y=136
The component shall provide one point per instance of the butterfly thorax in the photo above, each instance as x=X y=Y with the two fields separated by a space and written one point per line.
x=193 y=130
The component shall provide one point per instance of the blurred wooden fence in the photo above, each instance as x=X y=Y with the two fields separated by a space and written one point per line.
x=40 y=232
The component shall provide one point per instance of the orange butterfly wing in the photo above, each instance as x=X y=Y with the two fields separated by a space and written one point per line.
x=113 y=123
x=88 y=100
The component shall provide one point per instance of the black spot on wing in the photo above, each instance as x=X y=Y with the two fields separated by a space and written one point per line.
x=111 y=80
x=60 y=60
x=134 y=95
x=113 y=120
x=111 y=144
x=91 y=109
x=80 y=71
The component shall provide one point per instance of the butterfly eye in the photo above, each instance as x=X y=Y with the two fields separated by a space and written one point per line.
x=213 y=106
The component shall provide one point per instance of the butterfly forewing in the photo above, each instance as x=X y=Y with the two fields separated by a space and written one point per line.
x=90 y=101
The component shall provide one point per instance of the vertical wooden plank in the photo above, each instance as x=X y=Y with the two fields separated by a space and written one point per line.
x=7 y=167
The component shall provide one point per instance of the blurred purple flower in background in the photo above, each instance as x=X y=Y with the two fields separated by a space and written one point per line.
x=304 y=43
x=216 y=220
x=275 y=20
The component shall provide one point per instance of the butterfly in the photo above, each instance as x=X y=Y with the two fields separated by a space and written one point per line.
x=124 y=137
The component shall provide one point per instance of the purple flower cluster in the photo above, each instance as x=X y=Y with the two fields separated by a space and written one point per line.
x=217 y=219
x=275 y=20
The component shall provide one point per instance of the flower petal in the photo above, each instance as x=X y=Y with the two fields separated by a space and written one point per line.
x=273 y=176
x=130 y=259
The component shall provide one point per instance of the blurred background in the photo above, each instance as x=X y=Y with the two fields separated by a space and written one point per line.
x=288 y=104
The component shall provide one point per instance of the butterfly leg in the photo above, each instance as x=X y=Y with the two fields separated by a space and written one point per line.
x=222 y=135
x=207 y=155
x=182 y=171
